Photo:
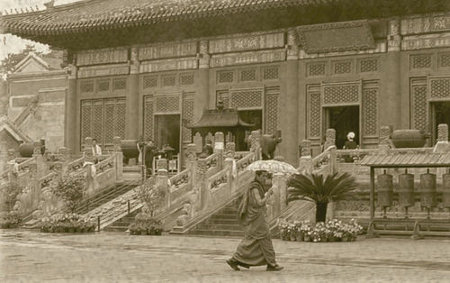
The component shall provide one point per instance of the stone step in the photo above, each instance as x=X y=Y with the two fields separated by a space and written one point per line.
x=221 y=221
x=218 y=233
x=232 y=227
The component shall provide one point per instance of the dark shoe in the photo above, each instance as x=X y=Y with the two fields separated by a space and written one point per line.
x=274 y=267
x=233 y=264
x=244 y=265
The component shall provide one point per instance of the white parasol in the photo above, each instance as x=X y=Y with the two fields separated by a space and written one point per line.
x=272 y=166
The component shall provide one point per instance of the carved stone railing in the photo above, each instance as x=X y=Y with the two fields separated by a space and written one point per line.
x=353 y=155
x=180 y=184
x=4 y=176
x=240 y=154
x=47 y=179
x=76 y=164
x=212 y=163
x=104 y=165
x=26 y=166
x=242 y=163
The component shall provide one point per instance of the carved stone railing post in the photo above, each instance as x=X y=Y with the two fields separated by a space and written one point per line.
x=200 y=184
x=255 y=146
x=162 y=178
x=385 y=136
x=219 y=148
x=442 y=144
x=41 y=166
x=118 y=158
x=330 y=138
x=305 y=162
x=191 y=162
x=65 y=155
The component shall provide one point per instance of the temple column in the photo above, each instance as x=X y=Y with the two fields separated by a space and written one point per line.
x=289 y=116
x=201 y=99
x=132 y=108
x=71 y=140
x=390 y=100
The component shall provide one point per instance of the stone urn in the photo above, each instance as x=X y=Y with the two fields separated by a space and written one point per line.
x=26 y=149
x=408 y=138
x=129 y=149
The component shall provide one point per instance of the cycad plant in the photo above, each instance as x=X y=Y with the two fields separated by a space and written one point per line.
x=320 y=190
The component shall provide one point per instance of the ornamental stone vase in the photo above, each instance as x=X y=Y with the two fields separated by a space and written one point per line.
x=407 y=138
x=26 y=149
x=129 y=149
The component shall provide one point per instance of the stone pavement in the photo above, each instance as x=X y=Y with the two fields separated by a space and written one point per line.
x=29 y=256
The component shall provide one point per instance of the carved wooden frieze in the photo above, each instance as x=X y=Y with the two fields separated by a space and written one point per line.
x=427 y=24
x=168 y=64
x=246 y=42
x=426 y=41
x=108 y=70
x=167 y=50
x=248 y=58
x=102 y=56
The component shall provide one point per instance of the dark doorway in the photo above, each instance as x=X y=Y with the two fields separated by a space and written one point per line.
x=441 y=112
x=252 y=117
x=343 y=119
x=168 y=131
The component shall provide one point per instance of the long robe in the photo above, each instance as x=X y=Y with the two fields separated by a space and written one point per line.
x=256 y=248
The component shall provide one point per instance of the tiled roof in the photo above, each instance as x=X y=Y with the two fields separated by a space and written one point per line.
x=408 y=160
x=99 y=14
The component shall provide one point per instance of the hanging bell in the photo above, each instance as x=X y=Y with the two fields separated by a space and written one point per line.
x=446 y=190
x=428 y=190
x=385 y=189
x=406 y=189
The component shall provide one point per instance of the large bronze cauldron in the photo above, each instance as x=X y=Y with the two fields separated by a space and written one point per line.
x=129 y=149
x=26 y=149
x=408 y=138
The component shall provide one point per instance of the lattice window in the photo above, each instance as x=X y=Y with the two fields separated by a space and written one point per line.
x=342 y=67
x=314 y=114
x=119 y=84
x=271 y=113
x=270 y=73
x=248 y=75
x=121 y=118
x=444 y=60
x=342 y=93
x=148 y=118
x=246 y=99
x=109 y=120
x=87 y=86
x=419 y=98
x=102 y=85
x=369 y=101
x=167 y=104
x=86 y=119
x=187 y=79
x=223 y=95
x=422 y=61
x=316 y=69
x=168 y=80
x=440 y=88
x=225 y=76
x=149 y=82
x=368 y=65
x=188 y=114
x=97 y=120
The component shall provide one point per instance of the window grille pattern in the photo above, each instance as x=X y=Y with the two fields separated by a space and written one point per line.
x=440 y=88
x=314 y=114
x=368 y=65
x=120 y=119
x=270 y=73
x=109 y=120
x=167 y=104
x=271 y=113
x=225 y=76
x=342 y=93
x=119 y=84
x=246 y=98
x=187 y=79
x=168 y=80
x=87 y=86
x=97 y=120
x=248 y=75
x=444 y=60
x=419 y=96
x=149 y=82
x=102 y=85
x=148 y=118
x=188 y=114
x=342 y=67
x=86 y=119
x=224 y=96
x=422 y=61
x=317 y=69
x=369 y=102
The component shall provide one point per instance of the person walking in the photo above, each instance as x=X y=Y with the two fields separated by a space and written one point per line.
x=256 y=248
x=149 y=154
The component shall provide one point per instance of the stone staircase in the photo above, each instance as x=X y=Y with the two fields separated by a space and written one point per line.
x=105 y=195
x=222 y=223
x=122 y=224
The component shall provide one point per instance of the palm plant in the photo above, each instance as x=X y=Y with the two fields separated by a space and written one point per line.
x=314 y=187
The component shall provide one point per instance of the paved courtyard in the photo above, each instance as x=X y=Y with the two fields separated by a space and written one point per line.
x=29 y=256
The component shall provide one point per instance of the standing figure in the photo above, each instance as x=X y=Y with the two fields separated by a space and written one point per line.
x=256 y=248
x=208 y=148
x=149 y=154
x=96 y=150
x=350 y=144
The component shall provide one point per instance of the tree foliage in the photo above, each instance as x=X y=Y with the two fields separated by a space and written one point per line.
x=9 y=63
x=70 y=188
x=151 y=195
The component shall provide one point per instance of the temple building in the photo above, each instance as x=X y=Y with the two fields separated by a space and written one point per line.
x=153 y=68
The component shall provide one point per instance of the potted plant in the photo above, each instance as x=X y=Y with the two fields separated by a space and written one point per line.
x=320 y=190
